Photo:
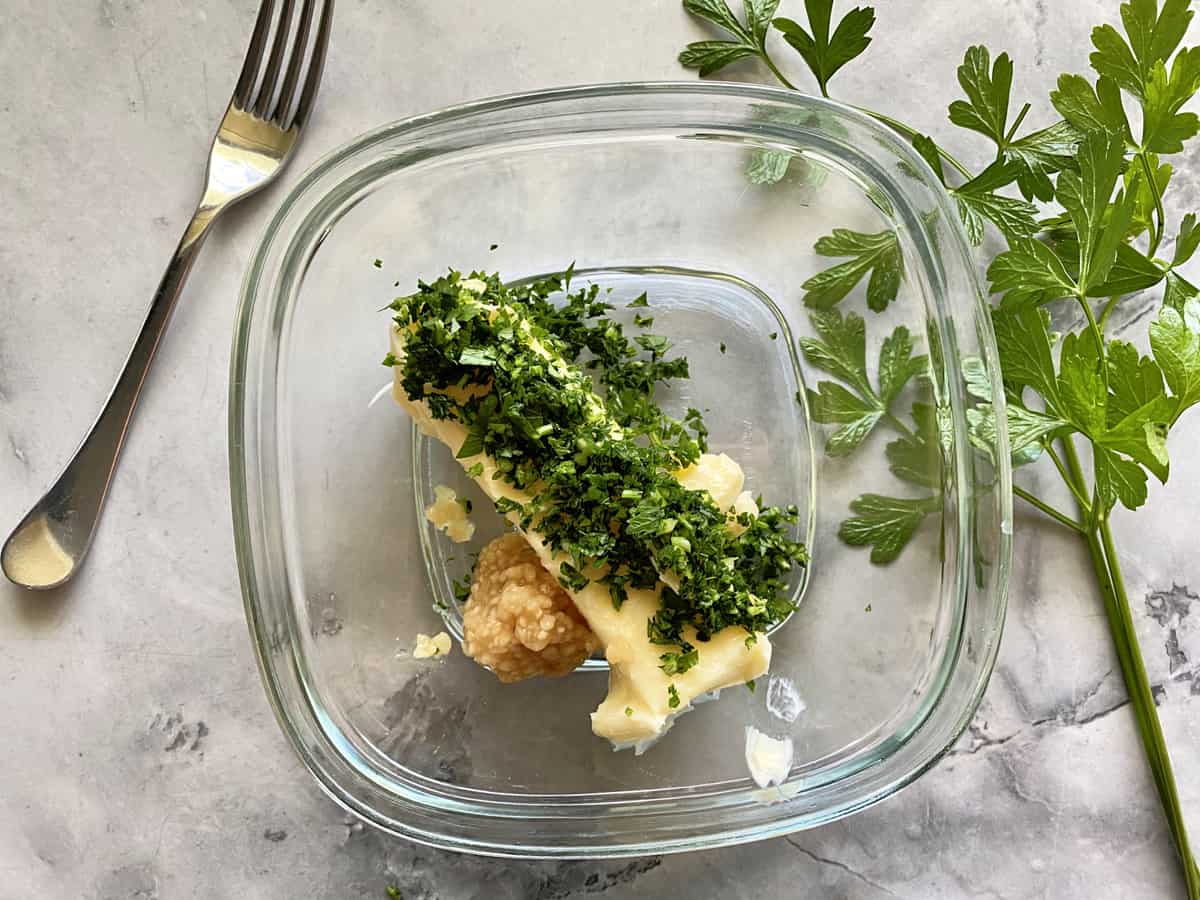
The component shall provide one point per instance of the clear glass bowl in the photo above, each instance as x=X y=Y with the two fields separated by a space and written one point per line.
x=643 y=187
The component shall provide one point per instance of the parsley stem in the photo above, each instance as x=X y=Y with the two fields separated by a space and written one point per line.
x=1161 y=217
x=1076 y=480
x=1141 y=695
x=1049 y=510
x=1097 y=333
x=911 y=133
x=1133 y=669
x=766 y=57
x=1084 y=506
x=1015 y=125
x=1108 y=308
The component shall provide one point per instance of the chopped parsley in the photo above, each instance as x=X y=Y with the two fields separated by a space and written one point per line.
x=629 y=711
x=672 y=696
x=567 y=414
x=723 y=346
x=378 y=264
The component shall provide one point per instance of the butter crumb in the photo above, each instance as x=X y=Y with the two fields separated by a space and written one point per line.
x=449 y=514
x=431 y=647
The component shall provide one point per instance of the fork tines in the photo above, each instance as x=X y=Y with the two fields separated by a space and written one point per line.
x=297 y=50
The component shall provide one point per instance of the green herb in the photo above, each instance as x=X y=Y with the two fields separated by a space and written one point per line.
x=640 y=302
x=678 y=663
x=378 y=264
x=877 y=254
x=672 y=697
x=885 y=523
x=598 y=466
x=1102 y=176
x=867 y=608
x=465 y=503
x=748 y=39
x=722 y=346
x=773 y=335
x=750 y=685
x=394 y=892
x=390 y=360
x=493 y=246
x=856 y=406
x=629 y=711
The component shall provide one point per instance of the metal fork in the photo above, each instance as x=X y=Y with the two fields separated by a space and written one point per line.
x=270 y=105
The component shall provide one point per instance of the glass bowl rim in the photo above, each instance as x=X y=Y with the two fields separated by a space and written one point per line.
x=241 y=486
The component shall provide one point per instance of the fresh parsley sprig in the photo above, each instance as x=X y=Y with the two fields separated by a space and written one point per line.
x=1102 y=175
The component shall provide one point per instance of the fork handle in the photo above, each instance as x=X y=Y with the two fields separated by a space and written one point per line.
x=73 y=503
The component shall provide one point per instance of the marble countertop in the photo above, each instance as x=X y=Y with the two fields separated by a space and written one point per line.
x=140 y=758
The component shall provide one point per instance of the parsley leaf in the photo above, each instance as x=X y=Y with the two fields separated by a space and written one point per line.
x=1142 y=435
x=1178 y=291
x=877 y=253
x=977 y=200
x=1037 y=156
x=748 y=40
x=1029 y=273
x=1090 y=110
x=840 y=348
x=1187 y=241
x=1133 y=381
x=986 y=108
x=768 y=166
x=897 y=365
x=833 y=404
x=1118 y=478
x=1153 y=37
x=1164 y=127
x=925 y=146
x=1131 y=271
x=1175 y=343
x=1029 y=431
x=917 y=458
x=1085 y=196
x=886 y=524
x=1082 y=394
x=824 y=53
x=1023 y=339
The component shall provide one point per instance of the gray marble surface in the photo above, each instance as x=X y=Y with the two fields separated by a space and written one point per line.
x=139 y=758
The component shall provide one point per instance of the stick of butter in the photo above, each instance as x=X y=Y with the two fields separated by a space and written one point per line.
x=637 y=709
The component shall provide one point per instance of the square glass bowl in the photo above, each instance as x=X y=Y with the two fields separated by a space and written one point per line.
x=713 y=199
